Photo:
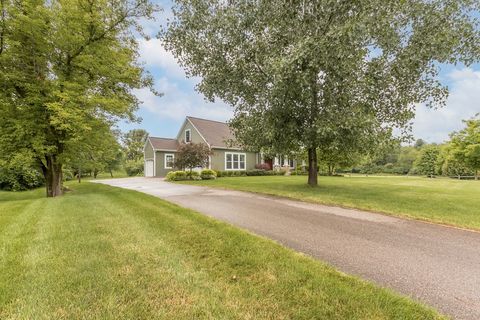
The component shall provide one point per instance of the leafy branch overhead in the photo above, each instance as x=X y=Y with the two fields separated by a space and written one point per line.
x=311 y=74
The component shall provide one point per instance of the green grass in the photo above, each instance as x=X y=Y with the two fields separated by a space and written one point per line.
x=441 y=200
x=106 y=253
x=106 y=175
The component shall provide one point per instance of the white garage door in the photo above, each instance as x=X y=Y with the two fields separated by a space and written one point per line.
x=149 y=168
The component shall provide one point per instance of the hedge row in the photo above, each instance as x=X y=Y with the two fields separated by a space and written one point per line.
x=249 y=173
x=208 y=174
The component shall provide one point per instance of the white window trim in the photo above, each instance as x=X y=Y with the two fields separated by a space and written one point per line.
x=165 y=160
x=189 y=135
x=293 y=163
x=239 y=154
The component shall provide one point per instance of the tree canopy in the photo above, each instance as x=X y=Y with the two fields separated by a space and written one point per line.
x=67 y=68
x=192 y=155
x=465 y=145
x=309 y=74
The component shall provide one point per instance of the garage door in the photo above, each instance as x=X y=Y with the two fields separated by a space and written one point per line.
x=149 y=168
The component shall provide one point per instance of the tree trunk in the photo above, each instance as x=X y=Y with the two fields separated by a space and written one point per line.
x=52 y=172
x=111 y=173
x=476 y=175
x=95 y=173
x=312 y=167
x=79 y=175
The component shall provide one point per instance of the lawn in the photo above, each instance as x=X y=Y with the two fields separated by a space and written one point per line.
x=441 y=200
x=105 y=253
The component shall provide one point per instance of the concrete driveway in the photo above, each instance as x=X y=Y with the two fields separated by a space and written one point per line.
x=437 y=265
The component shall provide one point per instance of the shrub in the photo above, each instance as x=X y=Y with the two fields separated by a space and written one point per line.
x=253 y=172
x=299 y=173
x=231 y=173
x=263 y=166
x=256 y=172
x=280 y=172
x=176 y=176
x=20 y=178
x=134 y=167
x=208 y=174
x=193 y=175
x=68 y=174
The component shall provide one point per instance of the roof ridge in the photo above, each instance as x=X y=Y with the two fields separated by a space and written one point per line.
x=222 y=122
x=161 y=138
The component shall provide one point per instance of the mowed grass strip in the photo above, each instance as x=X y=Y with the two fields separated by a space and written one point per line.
x=105 y=253
x=441 y=200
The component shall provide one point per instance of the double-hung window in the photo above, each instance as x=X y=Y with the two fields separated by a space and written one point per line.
x=169 y=160
x=235 y=161
x=291 y=163
x=188 y=137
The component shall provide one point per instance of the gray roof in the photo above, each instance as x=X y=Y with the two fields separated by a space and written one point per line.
x=163 y=143
x=217 y=134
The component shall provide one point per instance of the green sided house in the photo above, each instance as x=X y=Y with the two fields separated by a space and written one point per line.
x=159 y=153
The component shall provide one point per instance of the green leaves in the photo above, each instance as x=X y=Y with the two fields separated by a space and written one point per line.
x=301 y=72
x=192 y=155
x=68 y=68
x=465 y=144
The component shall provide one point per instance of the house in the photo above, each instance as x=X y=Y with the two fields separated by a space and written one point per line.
x=159 y=153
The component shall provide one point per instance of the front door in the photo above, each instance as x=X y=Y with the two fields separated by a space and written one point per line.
x=270 y=163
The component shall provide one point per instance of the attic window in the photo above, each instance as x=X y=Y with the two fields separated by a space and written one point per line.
x=188 y=137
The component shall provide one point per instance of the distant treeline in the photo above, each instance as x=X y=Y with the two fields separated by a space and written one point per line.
x=458 y=157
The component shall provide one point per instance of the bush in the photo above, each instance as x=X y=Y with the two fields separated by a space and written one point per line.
x=183 y=175
x=20 y=178
x=299 y=173
x=208 y=174
x=134 y=167
x=193 y=175
x=250 y=173
x=256 y=172
x=263 y=166
x=231 y=173
x=176 y=176
x=280 y=172
x=68 y=174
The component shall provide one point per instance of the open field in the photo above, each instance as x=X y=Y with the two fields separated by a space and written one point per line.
x=108 y=253
x=441 y=200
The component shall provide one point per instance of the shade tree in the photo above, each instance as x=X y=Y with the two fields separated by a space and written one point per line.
x=67 y=67
x=303 y=75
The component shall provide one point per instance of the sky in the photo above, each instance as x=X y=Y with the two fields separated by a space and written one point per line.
x=163 y=116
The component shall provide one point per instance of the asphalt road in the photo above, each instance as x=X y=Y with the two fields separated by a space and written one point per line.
x=434 y=264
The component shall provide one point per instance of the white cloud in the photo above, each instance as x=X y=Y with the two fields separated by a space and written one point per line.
x=463 y=103
x=177 y=103
x=154 y=55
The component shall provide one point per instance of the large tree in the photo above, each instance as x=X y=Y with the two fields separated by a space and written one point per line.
x=303 y=74
x=94 y=152
x=133 y=143
x=465 y=145
x=66 y=68
x=427 y=161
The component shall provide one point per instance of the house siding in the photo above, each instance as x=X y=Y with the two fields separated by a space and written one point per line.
x=148 y=151
x=160 y=170
x=218 y=159
x=195 y=135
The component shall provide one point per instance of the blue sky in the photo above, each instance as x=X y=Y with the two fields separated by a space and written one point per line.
x=162 y=116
